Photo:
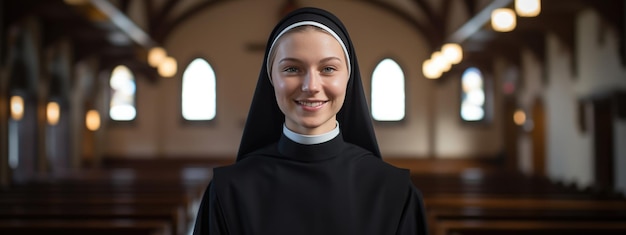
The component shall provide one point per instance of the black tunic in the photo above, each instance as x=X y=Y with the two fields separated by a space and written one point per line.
x=279 y=186
x=329 y=188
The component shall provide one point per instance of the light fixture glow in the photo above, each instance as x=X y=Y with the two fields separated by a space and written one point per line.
x=17 y=108
x=503 y=20
x=92 y=120
x=528 y=8
x=53 y=113
x=441 y=62
x=452 y=52
x=519 y=117
x=156 y=55
x=168 y=67
x=430 y=71
x=75 y=2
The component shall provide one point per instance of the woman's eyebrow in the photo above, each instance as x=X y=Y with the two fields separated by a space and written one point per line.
x=291 y=59
x=331 y=58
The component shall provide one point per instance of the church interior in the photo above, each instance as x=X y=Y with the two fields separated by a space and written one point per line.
x=510 y=114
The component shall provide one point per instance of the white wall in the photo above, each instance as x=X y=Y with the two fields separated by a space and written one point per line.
x=569 y=151
x=598 y=71
x=601 y=72
x=598 y=60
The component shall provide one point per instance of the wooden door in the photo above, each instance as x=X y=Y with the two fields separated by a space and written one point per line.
x=539 y=138
x=603 y=142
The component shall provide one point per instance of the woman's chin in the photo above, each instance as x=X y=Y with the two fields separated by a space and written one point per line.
x=316 y=127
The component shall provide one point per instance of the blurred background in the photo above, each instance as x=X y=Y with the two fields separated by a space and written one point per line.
x=510 y=114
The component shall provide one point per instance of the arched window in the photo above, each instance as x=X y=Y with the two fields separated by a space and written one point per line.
x=388 y=100
x=473 y=95
x=122 y=103
x=199 y=91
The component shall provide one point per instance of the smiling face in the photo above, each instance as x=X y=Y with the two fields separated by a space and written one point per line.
x=309 y=75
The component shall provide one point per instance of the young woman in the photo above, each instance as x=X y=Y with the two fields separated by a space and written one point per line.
x=309 y=162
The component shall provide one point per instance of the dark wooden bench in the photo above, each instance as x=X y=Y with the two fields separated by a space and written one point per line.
x=154 y=197
x=175 y=217
x=88 y=226
x=524 y=216
x=524 y=227
x=490 y=184
x=505 y=203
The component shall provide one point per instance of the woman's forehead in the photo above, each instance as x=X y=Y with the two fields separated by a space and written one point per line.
x=308 y=23
x=309 y=38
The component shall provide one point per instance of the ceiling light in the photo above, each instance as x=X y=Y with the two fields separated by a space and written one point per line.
x=528 y=8
x=76 y=2
x=430 y=71
x=519 y=117
x=17 y=107
x=53 y=113
x=440 y=61
x=92 y=120
x=156 y=55
x=168 y=67
x=452 y=52
x=503 y=20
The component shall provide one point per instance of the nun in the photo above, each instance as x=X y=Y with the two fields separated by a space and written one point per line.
x=308 y=161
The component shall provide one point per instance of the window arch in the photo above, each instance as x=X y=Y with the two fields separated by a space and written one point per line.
x=199 y=91
x=123 y=88
x=473 y=95
x=388 y=99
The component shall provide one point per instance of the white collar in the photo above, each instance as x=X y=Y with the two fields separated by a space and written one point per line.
x=310 y=139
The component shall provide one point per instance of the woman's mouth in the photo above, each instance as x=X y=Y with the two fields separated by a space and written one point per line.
x=311 y=105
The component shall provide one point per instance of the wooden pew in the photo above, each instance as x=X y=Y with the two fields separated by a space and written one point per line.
x=173 y=216
x=173 y=208
x=499 y=201
x=468 y=213
x=522 y=227
x=453 y=213
x=85 y=226
x=493 y=185
x=502 y=203
x=143 y=197
x=524 y=203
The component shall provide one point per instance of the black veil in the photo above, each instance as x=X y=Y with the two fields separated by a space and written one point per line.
x=264 y=123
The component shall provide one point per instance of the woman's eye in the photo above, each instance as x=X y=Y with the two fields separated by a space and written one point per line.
x=328 y=70
x=290 y=69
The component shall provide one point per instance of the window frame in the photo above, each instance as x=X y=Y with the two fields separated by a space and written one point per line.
x=404 y=83
x=109 y=93
x=488 y=89
x=183 y=120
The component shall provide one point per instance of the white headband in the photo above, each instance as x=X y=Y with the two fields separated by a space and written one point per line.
x=316 y=24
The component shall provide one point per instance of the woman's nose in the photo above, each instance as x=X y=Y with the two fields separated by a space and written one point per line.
x=311 y=82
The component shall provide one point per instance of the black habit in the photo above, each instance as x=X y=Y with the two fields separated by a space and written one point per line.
x=341 y=186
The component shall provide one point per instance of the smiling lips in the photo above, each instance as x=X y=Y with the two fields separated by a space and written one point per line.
x=311 y=105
